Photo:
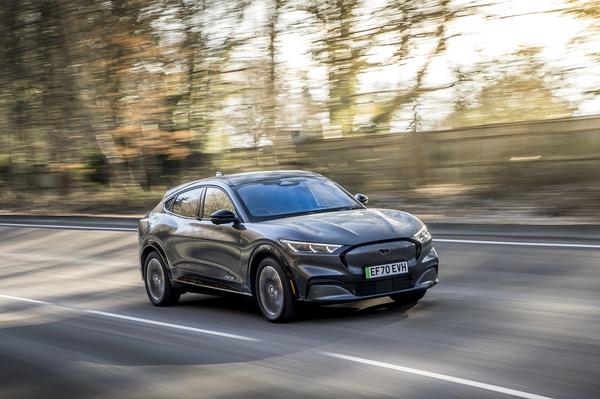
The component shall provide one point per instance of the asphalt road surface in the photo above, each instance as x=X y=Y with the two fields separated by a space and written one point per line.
x=515 y=315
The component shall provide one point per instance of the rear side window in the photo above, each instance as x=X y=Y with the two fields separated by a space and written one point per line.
x=187 y=203
x=215 y=200
x=169 y=204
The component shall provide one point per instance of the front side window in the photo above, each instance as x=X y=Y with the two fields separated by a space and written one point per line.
x=187 y=203
x=293 y=196
x=215 y=200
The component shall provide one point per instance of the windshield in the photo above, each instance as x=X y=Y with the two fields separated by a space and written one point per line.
x=293 y=196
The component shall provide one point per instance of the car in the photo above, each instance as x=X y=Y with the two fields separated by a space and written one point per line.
x=282 y=237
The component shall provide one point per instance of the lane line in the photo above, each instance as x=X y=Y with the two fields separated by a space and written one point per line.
x=25 y=300
x=444 y=240
x=68 y=227
x=135 y=319
x=438 y=376
x=518 y=243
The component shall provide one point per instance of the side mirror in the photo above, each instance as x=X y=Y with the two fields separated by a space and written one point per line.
x=223 y=216
x=363 y=199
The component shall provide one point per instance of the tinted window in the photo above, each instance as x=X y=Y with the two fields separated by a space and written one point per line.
x=187 y=203
x=169 y=204
x=214 y=200
x=276 y=198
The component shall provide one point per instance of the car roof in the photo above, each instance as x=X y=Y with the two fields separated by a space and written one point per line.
x=250 y=177
x=243 y=178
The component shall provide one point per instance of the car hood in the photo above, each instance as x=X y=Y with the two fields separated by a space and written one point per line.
x=350 y=227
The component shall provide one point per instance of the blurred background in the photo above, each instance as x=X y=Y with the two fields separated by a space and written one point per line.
x=446 y=108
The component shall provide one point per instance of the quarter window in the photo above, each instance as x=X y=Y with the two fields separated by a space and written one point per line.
x=214 y=200
x=187 y=203
x=169 y=204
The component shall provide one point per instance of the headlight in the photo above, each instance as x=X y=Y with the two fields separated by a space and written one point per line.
x=310 y=247
x=423 y=235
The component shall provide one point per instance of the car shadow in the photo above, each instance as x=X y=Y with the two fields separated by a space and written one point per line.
x=306 y=312
x=361 y=309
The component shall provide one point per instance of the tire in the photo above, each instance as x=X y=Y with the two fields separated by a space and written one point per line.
x=408 y=297
x=157 y=281
x=273 y=292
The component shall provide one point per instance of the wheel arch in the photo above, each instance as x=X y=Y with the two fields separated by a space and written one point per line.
x=261 y=252
x=148 y=248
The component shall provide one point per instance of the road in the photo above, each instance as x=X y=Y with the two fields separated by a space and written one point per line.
x=506 y=321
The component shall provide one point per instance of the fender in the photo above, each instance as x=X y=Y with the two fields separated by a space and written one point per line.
x=154 y=244
x=272 y=249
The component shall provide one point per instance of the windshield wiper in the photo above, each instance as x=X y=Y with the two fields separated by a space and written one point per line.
x=339 y=208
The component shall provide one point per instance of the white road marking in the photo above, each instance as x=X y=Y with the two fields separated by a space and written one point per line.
x=25 y=299
x=444 y=240
x=65 y=227
x=519 y=243
x=438 y=376
x=136 y=319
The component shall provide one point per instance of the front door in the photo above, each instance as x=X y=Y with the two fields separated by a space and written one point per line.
x=218 y=246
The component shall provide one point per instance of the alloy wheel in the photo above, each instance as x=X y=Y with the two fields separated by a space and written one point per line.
x=270 y=288
x=155 y=279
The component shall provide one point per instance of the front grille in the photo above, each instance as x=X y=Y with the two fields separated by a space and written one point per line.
x=380 y=253
x=376 y=287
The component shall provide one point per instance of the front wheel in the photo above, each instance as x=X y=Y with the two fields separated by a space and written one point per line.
x=273 y=292
x=157 y=282
x=408 y=297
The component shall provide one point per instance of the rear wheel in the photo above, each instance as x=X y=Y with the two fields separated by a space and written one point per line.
x=408 y=297
x=157 y=282
x=273 y=292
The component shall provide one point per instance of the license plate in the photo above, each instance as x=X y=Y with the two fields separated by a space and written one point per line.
x=386 y=270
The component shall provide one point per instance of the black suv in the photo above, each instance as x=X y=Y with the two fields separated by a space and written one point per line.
x=282 y=237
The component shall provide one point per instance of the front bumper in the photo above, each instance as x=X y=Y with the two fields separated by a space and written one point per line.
x=339 y=291
x=332 y=279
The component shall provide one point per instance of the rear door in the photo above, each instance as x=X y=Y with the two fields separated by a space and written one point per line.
x=181 y=241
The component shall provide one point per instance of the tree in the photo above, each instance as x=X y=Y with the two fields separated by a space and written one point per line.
x=515 y=92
